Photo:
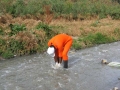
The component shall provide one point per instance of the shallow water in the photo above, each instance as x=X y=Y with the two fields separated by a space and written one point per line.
x=85 y=72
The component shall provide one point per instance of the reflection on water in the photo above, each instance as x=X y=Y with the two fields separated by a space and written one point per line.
x=85 y=71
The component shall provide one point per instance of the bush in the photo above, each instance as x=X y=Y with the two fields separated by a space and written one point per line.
x=76 y=45
x=46 y=28
x=2 y=42
x=1 y=32
x=15 y=46
x=16 y=28
x=9 y=48
x=7 y=54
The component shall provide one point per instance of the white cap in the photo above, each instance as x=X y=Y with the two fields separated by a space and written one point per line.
x=51 y=51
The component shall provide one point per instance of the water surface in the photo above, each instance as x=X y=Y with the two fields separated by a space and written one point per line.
x=85 y=71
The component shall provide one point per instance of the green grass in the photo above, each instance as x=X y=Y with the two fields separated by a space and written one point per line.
x=102 y=8
x=91 y=40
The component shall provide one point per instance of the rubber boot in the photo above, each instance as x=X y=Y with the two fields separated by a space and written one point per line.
x=65 y=63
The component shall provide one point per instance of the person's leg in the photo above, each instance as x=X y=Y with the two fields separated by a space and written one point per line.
x=65 y=52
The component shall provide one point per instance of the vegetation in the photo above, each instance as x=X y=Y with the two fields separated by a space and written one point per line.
x=92 y=39
x=27 y=25
x=70 y=9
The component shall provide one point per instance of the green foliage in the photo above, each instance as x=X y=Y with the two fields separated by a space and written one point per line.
x=90 y=40
x=17 y=8
x=100 y=38
x=45 y=27
x=2 y=42
x=76 y=45
x=21 y=7
x=97 y=38
x=42 y=47
x=8 y=50
x=115 y=12
x=15 y=46
x=116 y=1
x=1 y=31
x=65 y=7
x=58 y=6
x=33 y=7
x=7 y=54
x=16 y=28
x=4 y=4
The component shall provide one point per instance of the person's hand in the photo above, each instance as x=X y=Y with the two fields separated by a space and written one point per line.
x=57 y=65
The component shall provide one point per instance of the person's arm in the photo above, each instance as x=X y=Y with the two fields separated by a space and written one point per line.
x=56 y=59
x=60 y=60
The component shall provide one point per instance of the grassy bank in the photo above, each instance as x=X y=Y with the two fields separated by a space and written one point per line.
x=23 y=37
x=69 y=9
x=90 y=32
x=26 y=27
x=27 y=36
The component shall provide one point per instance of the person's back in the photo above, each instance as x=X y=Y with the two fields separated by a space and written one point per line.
x=61 y=43
x=59 y=40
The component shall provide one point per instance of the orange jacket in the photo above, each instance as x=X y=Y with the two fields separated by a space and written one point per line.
x=62 y=44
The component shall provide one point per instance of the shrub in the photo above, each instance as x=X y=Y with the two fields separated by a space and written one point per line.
x=7 y=54
x=46 y=28
x=10 y=47
x=1 y=32
x=2 y=42
x=15 y=46
x=76 y=45
x=16 y=28
x=115 y=12
x=29 y=42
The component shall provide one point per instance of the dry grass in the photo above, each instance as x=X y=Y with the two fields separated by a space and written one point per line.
x=77 y=28
x=33 y=39
x=73 y=28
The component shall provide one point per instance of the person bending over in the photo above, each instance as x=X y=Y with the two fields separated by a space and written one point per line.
x=58 y=47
